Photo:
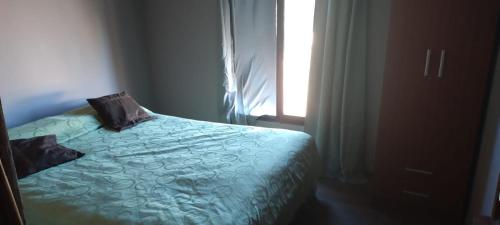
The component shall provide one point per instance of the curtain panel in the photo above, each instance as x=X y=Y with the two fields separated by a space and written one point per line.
x=249 y=54
x=336 y=97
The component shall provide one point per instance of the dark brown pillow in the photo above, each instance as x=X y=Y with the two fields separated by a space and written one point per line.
x=33 y=155
x=119 y=111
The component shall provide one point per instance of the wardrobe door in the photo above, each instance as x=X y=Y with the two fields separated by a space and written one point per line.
x=466 y=47
x=429 y=124
x=403 y=125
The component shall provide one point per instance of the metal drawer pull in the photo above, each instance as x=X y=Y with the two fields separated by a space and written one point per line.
x=418 y=171
x=421 y=195
x=441 y=63
x=427 y=59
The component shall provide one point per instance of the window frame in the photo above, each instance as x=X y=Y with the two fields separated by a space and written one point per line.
x=280 y=34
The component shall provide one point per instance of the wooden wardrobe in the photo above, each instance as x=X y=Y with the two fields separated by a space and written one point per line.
x=438 y=68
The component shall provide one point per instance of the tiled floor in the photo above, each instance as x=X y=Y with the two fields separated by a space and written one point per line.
x=342 y=204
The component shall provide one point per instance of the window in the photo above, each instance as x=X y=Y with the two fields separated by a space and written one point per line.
x=266 y=51
x=295 y=36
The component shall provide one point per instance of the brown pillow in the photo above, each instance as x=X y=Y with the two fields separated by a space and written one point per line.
x=33 y=155
x=119 y=111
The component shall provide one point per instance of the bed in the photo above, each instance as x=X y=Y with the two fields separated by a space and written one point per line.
x=169 y=170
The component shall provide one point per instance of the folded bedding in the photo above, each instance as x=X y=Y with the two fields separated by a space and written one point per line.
x=168 y=171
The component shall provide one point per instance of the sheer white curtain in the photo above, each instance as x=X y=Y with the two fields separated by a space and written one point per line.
x=336 y=98
x=249 y=51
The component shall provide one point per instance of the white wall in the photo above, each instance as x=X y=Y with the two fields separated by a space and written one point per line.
x=56 y=53
x=186 y=58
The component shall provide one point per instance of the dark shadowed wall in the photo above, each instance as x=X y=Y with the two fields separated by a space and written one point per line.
x=186 y=58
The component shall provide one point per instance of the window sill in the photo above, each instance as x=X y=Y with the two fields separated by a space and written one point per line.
x=295 y=120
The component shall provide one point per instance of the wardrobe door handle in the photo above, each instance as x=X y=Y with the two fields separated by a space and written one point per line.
x=441 y=63
x=424 y=172
x=416 y=194
x=427 y=59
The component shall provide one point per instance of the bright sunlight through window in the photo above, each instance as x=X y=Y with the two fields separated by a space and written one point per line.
x=298 y=37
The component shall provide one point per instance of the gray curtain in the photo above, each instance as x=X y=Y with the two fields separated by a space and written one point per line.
x=336 y=98
x=249 y=54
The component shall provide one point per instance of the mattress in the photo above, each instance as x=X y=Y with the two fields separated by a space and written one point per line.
x=168 y=171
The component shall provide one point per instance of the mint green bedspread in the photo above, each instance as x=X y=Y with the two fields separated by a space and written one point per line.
x=169 y=171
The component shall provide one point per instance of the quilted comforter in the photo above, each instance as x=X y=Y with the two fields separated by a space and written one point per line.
x=168 y=171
